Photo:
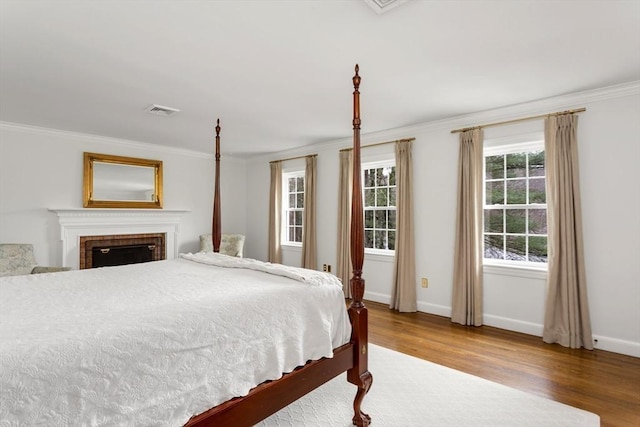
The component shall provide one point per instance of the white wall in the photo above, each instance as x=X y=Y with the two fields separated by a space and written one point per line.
x=609 y=150
x=41 y=169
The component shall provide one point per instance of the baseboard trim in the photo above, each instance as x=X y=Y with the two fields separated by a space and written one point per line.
x=377 y=297
x=528 y=328
x=613 y=345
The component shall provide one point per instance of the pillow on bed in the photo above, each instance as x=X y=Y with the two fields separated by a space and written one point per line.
x=230 y=244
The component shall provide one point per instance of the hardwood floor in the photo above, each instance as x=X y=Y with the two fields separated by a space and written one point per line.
x=598 y=381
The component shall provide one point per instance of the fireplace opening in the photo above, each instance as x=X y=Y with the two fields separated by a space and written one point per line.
x=121 y=255
x=112 y=250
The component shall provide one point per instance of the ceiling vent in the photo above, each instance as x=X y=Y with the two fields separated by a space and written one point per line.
x=382 y=6
x=161 y=110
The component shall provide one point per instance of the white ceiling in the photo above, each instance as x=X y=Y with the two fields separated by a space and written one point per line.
x=278 y=73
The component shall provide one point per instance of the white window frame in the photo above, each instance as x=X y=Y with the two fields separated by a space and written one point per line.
x=374 y=165
x=503 y=147
x=286 y=175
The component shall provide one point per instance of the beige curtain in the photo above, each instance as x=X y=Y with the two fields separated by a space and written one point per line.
x=275 y=212
x=344 y=268
x=309 y=246
x=403 y=297
x=466 y=304
x=566 y=318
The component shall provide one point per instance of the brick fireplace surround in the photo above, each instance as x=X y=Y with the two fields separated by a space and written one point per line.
x=155 y=241
x=82 y=226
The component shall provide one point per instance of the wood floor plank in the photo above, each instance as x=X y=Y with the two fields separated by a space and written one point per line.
x=598 y=381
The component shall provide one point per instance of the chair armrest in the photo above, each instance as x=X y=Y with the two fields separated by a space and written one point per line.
x=40 y=269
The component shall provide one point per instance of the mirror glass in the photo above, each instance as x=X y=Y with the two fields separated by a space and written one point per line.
x=121 y=182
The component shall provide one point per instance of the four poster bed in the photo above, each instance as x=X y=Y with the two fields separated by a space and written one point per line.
x=163 y=343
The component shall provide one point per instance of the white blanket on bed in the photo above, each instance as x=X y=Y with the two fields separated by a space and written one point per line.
x=312 y=277
x=154 y=344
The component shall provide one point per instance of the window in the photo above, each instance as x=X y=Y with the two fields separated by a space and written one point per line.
x=515 y=205
x=379 y=182
x=293 y=206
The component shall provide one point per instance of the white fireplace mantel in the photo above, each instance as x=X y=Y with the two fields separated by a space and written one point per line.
x=75 y=223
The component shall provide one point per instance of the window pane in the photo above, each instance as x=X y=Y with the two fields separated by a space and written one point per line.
x=517 y=192
x=292 y=200
x=292 y=234
x=392 y=196
x=298 y=217
x=382 y=177
x=392 y=176
x=380 y=239
x=515 y=220
x=537 y=192
x=292 y=185
x=300 y=200
x=392 y=219
x=300 y=183
x=381 y=219
x=368 y=219
x=536 y=163
x=518 y=181
x=495 y=193
x=392 y=240
x=493 y=220
x=369 y=178
x=495 y=167
x=516 y=165
x=368 y=238
x=537 y=249
x=516 y=248
x=382 y=197
x=292 y=218
x=537 y=221
x=493 y=247
x=369 y=197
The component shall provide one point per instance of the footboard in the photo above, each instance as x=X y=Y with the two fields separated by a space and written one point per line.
x=271 y=396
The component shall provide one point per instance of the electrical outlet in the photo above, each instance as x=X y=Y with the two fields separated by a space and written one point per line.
x=425 y=282
x=326 y=267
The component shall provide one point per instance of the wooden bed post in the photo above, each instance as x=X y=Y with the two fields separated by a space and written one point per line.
x=216 y=228
x=359 y=374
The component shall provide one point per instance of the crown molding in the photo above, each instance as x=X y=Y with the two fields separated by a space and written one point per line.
x=42 y=131
x=509 y=112
x=514 y=111
x=530 y=108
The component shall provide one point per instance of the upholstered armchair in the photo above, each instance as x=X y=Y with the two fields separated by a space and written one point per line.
x=18 y=258
x=230 y=244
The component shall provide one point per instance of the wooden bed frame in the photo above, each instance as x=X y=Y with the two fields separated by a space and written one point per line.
x=271 y=396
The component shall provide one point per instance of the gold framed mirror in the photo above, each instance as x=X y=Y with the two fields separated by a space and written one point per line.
x=121 y=182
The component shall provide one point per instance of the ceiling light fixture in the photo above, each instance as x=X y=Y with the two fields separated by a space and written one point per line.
x=161 y=110
x=382 y=6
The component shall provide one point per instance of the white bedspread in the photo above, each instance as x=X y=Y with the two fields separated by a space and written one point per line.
x=154 y=344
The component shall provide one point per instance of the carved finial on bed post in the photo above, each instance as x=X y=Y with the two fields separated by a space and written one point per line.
x=357 y=226
x=359 y=374
x=216 y=227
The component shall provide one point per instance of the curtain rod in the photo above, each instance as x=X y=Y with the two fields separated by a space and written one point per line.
x=524 y=119
x=294 y=158
x=380 y=143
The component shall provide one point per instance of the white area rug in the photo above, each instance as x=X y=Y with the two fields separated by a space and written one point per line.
x=408 y=391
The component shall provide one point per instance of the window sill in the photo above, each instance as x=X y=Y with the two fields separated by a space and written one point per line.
x=379 y=256
x=291 y=245
x=516 y=270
